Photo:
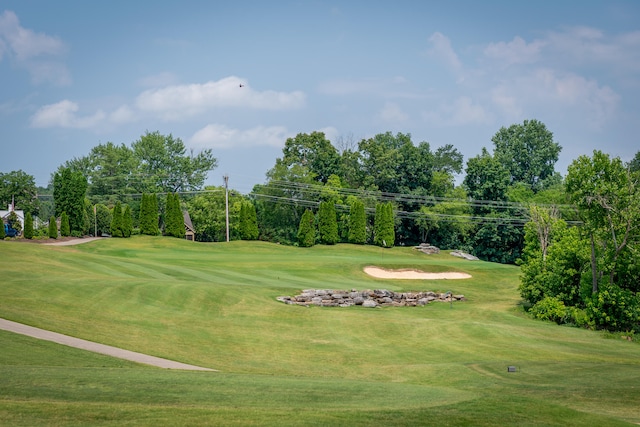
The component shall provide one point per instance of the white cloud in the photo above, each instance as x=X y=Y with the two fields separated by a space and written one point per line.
x=179 y=101
x=395 y=87
x=223 y=137
x=38 y=53
x=64 y=114
x=158 y=80
x=123 y=114
x=516 y=51
x=463 y=111
x=393 y=113
x=563 y=93
x=441 y=48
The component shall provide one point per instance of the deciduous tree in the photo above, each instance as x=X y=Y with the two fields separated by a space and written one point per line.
x=528 y=151
x=69 y=191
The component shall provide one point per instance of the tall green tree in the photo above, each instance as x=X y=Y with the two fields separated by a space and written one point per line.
x=69 y=191
x=113 y=172
x=103 y=217
x=174 y=224
x=314 y=152
x=53 y=228
x=357 y=223
x=116 y=221
x=166 y=165
x=65 y=228
x=149 y=215
x=207 y=212
x=127 y=221
x=307 y=229
x=20 y=188
x=384 y=234
x=248 y=221
x=606 y=194
x=28 y=226
x=328 y=223
x=528 y=151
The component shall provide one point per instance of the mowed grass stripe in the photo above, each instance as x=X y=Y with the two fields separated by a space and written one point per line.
x=236 y=325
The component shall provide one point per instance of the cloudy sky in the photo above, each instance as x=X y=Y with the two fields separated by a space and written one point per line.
x=74 y=74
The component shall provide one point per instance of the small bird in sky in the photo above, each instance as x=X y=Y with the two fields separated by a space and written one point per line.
x=241 y=85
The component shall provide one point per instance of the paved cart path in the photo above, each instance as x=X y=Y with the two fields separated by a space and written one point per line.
x=42 y=334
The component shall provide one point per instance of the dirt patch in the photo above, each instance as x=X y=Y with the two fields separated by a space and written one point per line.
x=381 y=273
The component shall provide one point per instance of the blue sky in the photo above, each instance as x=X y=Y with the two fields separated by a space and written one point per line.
x=75 y=74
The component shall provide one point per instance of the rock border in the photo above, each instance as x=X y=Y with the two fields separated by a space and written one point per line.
x=367 y=298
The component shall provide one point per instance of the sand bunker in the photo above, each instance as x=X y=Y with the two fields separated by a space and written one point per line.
x=381 y=273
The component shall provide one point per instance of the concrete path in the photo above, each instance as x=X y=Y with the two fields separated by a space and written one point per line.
x=30 y=331
x=74 y=241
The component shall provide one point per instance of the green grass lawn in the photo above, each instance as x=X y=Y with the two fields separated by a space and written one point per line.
x=214 y=305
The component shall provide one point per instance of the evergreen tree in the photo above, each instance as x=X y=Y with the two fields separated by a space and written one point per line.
x=103 y=217
x=116 y=221
x=127 y=222
x=174 y=224
x=149 y=215
x=2 y=233
x=328 y=223
x=65 y=229
x=251 y=227
x=357 y=223
x=248 y=221
x=383 y=224
x=307 y=230
x=53 y=228
x=28 y=226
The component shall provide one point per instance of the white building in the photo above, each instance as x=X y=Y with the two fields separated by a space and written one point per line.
x=5 y=214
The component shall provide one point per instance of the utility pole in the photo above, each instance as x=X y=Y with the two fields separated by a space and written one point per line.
x=226 y=201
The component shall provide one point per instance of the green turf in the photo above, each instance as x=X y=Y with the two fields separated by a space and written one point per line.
x=214 y=305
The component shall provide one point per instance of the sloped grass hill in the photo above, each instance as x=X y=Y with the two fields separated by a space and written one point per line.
x=214 y=305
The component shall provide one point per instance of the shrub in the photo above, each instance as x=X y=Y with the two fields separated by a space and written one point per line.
x=614 y=309
x=549 y=308
x=2 y=233
x=577 y=317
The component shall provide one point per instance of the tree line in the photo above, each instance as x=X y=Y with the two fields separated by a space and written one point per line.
x=387 y=190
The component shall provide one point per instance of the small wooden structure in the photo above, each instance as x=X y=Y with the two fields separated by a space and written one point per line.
x=189 y=231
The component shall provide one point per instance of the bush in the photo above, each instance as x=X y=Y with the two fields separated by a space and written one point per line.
x=614 y=309
x=549 y=308
x=578 y=317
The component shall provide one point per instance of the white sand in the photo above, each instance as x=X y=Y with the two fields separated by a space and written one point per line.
x=381 y=273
